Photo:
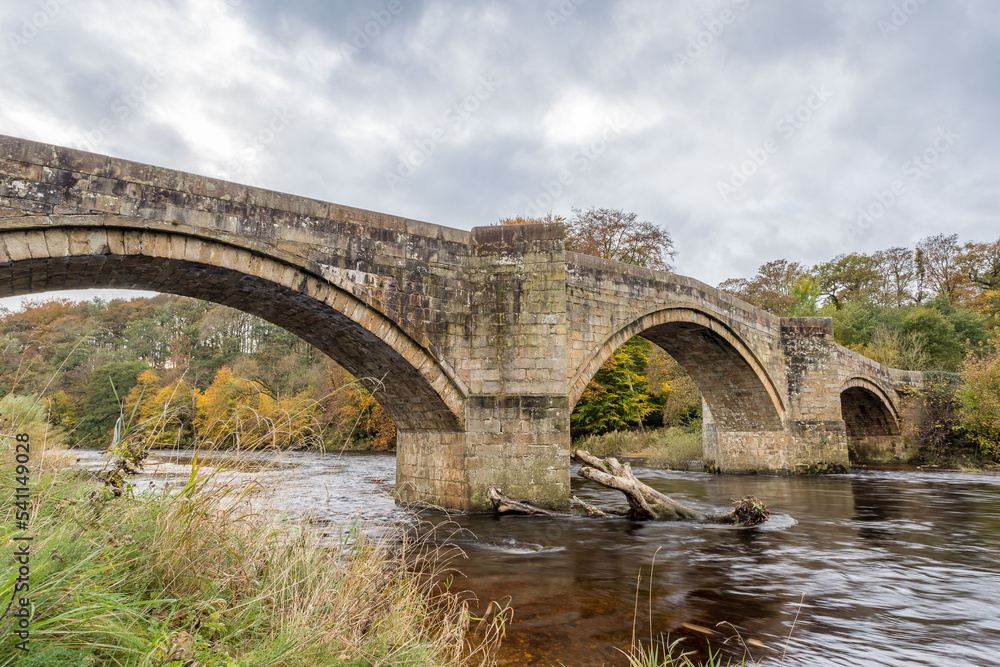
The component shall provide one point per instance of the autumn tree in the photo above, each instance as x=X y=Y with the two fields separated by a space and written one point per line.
x=847 y=277
x=615 y=234
x=611 y=234
x=979 y=400
x=547 y=219
x=235 y=413
x=672 y=390
x=165 y=414
x=980 y=263
x=895 y=270
x=771 y=288
x=939 y=266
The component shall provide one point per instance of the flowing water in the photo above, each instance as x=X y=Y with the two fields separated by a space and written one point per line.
x=877 y=567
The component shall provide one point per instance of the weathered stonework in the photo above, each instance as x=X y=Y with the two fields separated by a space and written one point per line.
x=478 y=344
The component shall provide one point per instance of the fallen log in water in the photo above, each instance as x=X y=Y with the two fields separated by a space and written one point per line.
x=644 y=502
x=647 y=503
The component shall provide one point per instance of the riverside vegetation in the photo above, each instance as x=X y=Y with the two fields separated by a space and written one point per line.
x=196 y=576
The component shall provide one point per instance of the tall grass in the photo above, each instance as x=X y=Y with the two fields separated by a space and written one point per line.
x=198 y=577
x=667 y=653
x=674 y=447
x=672 y=654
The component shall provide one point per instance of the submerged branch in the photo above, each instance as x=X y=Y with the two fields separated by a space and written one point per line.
x=596 y=511
x=505 y=505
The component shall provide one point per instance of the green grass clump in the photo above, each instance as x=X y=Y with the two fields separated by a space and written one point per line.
x=674 y=656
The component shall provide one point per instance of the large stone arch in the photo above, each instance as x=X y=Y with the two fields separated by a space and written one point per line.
x=736 y=386
x=415 y=390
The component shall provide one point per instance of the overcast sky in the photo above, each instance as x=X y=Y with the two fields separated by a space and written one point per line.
x=751 y=129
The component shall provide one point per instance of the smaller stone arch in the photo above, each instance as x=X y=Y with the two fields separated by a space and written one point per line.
x=874 y=398
x=871 y=419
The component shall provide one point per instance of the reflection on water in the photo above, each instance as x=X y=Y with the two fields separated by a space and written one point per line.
x=892 y=567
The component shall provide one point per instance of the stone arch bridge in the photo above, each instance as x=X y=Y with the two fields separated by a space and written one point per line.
x=482 y=341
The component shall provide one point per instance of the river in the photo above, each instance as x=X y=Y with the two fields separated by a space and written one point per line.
x=876 y=567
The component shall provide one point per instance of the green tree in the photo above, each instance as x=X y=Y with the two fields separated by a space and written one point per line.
x=104 y=396
x=618 y=397
x=845 y=278
x=805 y=294
x=934 y=336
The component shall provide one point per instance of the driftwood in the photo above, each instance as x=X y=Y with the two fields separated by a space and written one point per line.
x=644 y=502
x=595 y=511
x=505 y=505
x=647 y=503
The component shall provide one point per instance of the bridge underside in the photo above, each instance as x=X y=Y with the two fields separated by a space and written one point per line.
x=404 y=393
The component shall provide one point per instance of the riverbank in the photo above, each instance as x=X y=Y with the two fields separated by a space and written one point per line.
x=198 y=575
x=674 y=448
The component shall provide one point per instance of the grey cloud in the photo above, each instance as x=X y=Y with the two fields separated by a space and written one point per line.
x=688 y=124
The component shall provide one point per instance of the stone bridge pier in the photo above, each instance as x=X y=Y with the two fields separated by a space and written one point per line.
x=510 y=346
x=478 y=344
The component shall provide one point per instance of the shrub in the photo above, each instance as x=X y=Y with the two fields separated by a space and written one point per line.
x=938 y=431
x=979 y=400
x=200 y=577
x=672 y=448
